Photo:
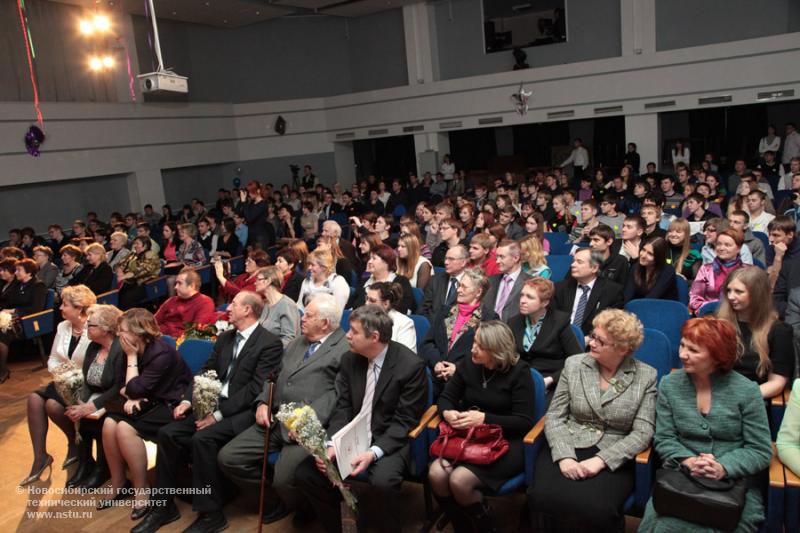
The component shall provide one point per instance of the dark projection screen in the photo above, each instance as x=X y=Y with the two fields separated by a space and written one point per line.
x=509 y=24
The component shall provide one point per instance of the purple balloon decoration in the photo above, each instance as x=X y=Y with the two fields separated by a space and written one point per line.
x=33 y=140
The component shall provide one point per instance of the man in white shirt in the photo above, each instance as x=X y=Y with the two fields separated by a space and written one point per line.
x=759 y=219
x=791 y=144
x=579 y=158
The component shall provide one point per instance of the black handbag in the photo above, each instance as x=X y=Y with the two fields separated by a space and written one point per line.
x=707 y=502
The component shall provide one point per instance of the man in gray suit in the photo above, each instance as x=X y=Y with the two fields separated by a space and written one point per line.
x=308 y=376
x=504 y=291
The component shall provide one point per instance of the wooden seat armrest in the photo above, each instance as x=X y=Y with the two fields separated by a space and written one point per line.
x=35 y=315
x=776 y=470
x=779 y=400
x=423 y=422
x=643 y=457
x=534 y=433
x=433 y=423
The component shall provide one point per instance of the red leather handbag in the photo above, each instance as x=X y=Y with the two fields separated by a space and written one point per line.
x=478 y=445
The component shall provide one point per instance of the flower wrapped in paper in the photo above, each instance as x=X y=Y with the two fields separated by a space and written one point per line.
x=205 y=394
x=6 y=321
x=68 y=381
x=303 y=421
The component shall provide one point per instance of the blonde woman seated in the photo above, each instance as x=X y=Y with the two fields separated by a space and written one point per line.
x=533 y=258
x=602 y=414
x=491 y=386
x=323 y=279
x=280 y=315
x=70 y=344
x=387 y=295
x=331 y=244
x=119 y=250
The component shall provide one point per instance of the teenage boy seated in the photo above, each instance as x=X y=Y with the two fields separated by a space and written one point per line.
x=783 y=245
x=588 y=221
x=740 y=220
x=610 y=216
x=632 y=231
x=759 y=218
x=652 y=217
x=695 y=208
x=614 y=266
x=672 y=198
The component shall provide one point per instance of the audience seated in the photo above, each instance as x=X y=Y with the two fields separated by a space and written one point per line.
x=288 y=264
x=583 y=295
x=96 y=273
x=783 y=245
x=411 y=264
x=190 y=253
x=492 y=386
x=768 y=357
x=141 y=266
x=70 y=266
x=393 y=408
x=631 y=237
x=450 y=231
x=602 y=414
x=24 y=297
x=104 y=373
x=246 y=281
x=48 y=272
x=69 y=345
x=650 y=275
x=242 y=357
x=502 y=295
x=740 y=220
x=188 y=306
x=533 y=258
x=329 y=244
x=323 y=343
x=453 y=328
x=613 y=266
x=711 y=277
x=155 y=379
x=544 y=335
x=684 y=259
x=280 y=316
x=708 y=418
x=443 y=288
x=381 y=267
x=388 y=295
x=323 y=279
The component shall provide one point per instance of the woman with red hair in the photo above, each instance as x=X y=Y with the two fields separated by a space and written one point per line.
x=712 y=420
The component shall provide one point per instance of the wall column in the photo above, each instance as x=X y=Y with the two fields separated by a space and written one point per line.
x=146 y=187
x=430 y=149
x=638 y=27
x=345 y=162
x=645 y=131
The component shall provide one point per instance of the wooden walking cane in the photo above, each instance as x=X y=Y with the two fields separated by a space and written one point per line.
x=270 y=389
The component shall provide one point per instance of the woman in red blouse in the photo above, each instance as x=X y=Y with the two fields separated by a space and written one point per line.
x=245 y=281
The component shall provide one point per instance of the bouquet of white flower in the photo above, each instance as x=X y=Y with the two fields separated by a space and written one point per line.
x=311 y=435
x=205 y=394
x=68 y=381
x=6 y=321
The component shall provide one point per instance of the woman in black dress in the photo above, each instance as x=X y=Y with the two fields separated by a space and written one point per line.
x=254 y=210
x=651 y=276
x=96 y=273
x=26 y=296
x=287 y=262
x=492 y=387
x=228 y=246
x=70 y=344
x=104 y=372
x=768 y=357
x=155 y=380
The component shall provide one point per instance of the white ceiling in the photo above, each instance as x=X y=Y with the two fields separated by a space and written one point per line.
x=235 y=13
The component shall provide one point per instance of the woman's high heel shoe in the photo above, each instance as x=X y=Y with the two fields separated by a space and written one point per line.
x=38 y=474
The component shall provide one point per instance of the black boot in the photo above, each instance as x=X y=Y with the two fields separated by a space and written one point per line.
x=82 y=472
x=482 y=521
x=454 y=513
x=96 y=478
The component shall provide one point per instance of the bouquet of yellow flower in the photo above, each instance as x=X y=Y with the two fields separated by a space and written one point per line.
x=311 y=435
x=68 y=381
x=6 y=321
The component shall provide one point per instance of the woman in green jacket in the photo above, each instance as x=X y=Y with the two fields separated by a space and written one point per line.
x=712 y=420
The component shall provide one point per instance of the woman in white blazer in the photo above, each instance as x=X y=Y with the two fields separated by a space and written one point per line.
x=69 y=345
x=387 y=294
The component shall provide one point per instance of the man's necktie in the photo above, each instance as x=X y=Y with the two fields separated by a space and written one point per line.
x=451 y=293
x=505 y=290
x=310 y=351
x=581 y=310
x=232 y=365
x=369 y=394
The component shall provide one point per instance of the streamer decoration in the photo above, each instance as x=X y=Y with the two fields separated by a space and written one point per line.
x=30 y=51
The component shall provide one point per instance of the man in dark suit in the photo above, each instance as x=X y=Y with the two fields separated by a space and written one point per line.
x=502 y=297
x=385 y=382
x=308 y=376
x=441 y=289
x=242 y=358
x=788 y=279
x=328 y=207
x=584 y=294
x=331 y=228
